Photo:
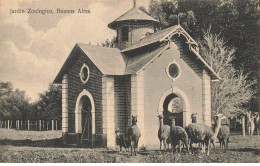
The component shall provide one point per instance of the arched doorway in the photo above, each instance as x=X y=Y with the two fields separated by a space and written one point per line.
x=174 y=102
x=85 y=118
x=173 y=107
x=85 y=104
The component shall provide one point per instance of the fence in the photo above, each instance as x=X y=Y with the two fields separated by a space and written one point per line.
x=38 y=125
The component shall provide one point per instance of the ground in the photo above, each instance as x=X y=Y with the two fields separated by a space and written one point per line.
x=45 y=146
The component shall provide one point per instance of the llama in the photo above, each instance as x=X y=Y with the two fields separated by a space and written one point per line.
x=223 y=136
x=194 y=118
x=134 y=134
x=250 y=123
x=201 y=133
x=178 y=135
x=257 y=123
x=122 y=141
x=163 y=133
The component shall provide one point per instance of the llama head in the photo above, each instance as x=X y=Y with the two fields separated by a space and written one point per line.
x=117 y=130
x=194 y=117
x=160 y=116
x=220 y=116
x=134 y=120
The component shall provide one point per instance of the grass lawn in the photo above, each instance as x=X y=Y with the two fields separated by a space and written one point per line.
x=45 y=146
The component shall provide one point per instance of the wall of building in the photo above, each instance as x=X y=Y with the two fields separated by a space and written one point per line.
x=75 y=87
x=157 y=82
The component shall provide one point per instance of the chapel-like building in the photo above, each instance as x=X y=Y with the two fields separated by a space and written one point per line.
x=144 y=75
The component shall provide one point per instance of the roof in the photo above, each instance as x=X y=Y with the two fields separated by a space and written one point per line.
x=136 y=63
x=165 y=35
x=155 y=37
x=108 y=60
x=132 y=14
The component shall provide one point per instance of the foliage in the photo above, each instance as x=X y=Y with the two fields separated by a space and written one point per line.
x=13 y=103
x=49 y=106
x=236 y=21
x=234 y=91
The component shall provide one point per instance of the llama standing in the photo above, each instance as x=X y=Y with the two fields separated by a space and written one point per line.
x=250 y=123
x=134 y=134
x=178 y=135
x=122 y=141
x=201 y=133
x=258 y=123
x=163 y=133
x=223 y=136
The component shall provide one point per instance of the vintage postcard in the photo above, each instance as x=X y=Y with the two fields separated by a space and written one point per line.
x=129 y=81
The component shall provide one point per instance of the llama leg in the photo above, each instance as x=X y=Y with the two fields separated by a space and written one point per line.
x=160 y=145
x=208 y=147
x=227 y=142
x=164 y=143
x=180 y=146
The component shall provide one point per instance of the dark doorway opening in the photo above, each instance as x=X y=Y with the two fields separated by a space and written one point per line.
x=86 y=136
x=173 y=107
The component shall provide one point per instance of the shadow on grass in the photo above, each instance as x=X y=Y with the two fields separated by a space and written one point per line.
x=38 y=143
x=252 y=150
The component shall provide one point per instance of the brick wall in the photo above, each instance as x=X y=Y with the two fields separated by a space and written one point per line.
x=75 y=87
x=123 y=102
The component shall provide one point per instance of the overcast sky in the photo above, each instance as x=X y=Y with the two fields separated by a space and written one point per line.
x=33 y=47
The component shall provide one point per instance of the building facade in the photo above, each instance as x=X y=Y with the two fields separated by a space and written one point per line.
x=147 y=73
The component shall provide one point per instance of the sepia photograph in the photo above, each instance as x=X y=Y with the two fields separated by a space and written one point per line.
x=129 y=81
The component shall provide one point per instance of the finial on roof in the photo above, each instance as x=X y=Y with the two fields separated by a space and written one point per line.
x=134 y=3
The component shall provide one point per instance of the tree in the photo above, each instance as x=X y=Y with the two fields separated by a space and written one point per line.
x=232 y=94
x=13 y=103
x=50 y=104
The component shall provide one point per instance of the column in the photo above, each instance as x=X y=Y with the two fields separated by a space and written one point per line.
x=108 y=110
x=137 y=103
x=65 y=108
x=206 y=98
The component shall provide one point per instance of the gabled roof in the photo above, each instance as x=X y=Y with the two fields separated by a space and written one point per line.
x=132 y=14
x=108 y=60
x=165 y=35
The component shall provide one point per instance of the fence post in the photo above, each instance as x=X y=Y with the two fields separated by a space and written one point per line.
x=56 y=124
x=52 y=125
x=28 y=124
x=21 y=124
x=8 y=124
x=11 y=124
x=47 y=125
x=36 y=125
x=18 y=124
x=40 y=125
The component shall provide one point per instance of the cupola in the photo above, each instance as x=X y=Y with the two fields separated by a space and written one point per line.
x=133 y=26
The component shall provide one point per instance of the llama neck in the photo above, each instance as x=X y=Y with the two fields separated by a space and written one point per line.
x=161 y=123
x=173 y=123
x=218 y=126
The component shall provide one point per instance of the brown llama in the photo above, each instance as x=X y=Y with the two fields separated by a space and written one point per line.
x=134 y=134
x=163 y=133
x=201 y=133
x=178 y=135
x=122 y=141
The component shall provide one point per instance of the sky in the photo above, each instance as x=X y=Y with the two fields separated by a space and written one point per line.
x=33 y=46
